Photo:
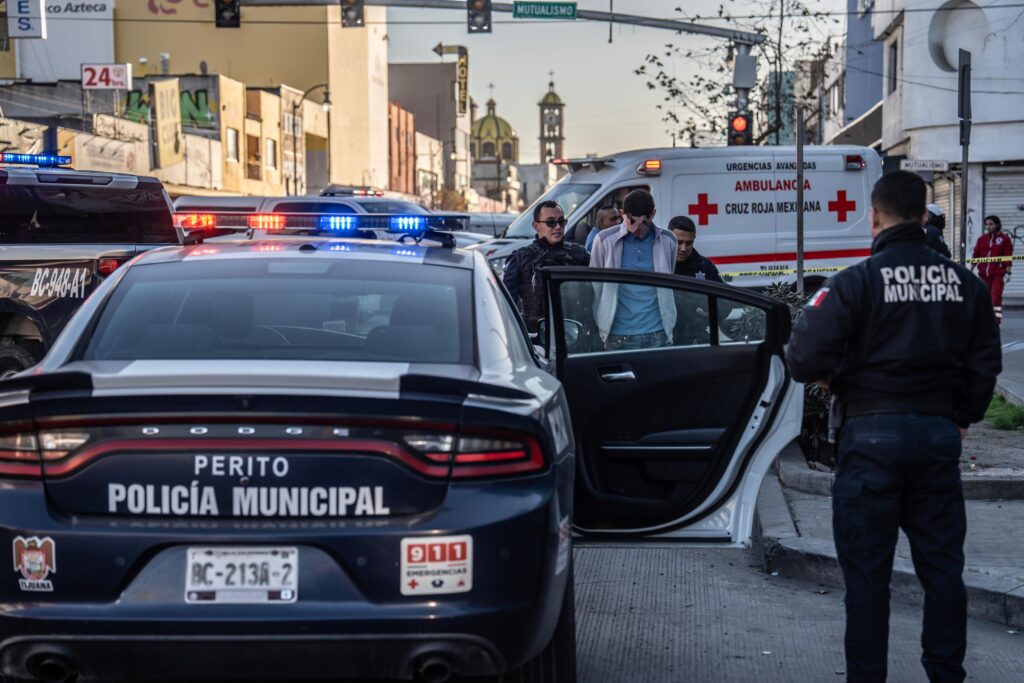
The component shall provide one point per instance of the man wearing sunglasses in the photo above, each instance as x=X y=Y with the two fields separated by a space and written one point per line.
x=522 y=278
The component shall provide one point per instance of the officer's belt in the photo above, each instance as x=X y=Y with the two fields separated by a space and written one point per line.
x=915 y=403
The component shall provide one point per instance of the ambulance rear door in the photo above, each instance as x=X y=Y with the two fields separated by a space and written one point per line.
x=731 y=199
x=837 y=189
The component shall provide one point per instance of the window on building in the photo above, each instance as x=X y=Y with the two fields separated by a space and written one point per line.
x=506 y=150
x=292 y=124
x=893 y=65
x=472 y=149
x=232 y=142
x=488 y=149
x=270 y=153
x=252 y=158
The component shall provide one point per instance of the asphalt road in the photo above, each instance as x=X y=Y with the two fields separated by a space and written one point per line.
x=1012 y=333
x=670 y=614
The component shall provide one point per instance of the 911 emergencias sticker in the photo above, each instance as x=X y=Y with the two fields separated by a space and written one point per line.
x=434 y=565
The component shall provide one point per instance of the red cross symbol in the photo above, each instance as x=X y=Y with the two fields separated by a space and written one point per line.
x=842 y=205
x=413 y=584
x=702 y=209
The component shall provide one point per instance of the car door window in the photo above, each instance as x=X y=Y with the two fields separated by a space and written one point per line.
x=600 y=317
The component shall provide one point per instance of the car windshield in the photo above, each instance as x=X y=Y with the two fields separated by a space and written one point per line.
x=568 y=195
x=60 y=214
x=391 y=206
x=288 y=309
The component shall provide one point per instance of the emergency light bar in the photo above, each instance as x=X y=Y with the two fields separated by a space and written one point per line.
x=44 y=160
x=308 y=223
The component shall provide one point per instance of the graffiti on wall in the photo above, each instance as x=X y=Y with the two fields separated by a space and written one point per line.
x=198 y=109
x=159 y=7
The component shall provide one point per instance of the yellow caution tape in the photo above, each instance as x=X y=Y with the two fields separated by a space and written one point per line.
x=835 y=269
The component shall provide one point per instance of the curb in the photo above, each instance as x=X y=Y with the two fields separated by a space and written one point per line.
x=795 y=474
x=783 y=550
x=1011 y=390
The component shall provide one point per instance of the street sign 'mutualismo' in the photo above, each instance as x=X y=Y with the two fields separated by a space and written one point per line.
x=544 y=10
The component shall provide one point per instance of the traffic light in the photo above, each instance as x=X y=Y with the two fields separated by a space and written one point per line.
x=741 y=128
x=352 y=13
x=478 y=16
x=227 y=13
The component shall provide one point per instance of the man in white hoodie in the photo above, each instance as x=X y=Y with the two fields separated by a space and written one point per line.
x=635 y=316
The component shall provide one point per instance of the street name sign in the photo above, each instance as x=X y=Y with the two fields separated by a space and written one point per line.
x=923 y=165
x=106 y=76
x=544 y=10
x=26 y=19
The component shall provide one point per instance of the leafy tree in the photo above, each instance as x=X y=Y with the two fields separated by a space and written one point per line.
x=793 y=32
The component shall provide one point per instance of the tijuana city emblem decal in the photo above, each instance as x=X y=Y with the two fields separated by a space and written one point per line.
x=35 y=558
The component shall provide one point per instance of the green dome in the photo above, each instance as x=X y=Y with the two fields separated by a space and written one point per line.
x=550 y=97
x=492 y=127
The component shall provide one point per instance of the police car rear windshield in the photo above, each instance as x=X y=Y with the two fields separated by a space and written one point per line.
x=568 y=195
x=62 y=214
x=288 y=309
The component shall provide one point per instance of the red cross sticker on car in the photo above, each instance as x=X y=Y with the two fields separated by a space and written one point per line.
x=702 y=209
x=841 y=205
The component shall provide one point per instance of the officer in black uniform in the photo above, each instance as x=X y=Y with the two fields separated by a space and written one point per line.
x=908 y=343
x=933 y=228
x=522 y=277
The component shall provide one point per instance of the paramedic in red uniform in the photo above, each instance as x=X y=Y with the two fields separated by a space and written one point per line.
x=994 y=243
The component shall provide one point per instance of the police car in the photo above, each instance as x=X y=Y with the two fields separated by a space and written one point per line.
x=343 y=458
x=743 y=201
x=62 y=231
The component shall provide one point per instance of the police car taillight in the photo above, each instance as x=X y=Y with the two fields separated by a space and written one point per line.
x=481 y=456
x=106 y=266
x=48 y=160
x=855 y=162
x=19 y=452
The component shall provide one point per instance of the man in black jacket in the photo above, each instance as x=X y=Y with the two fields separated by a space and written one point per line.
x=689 y=262
x=933 y=228
x=908 y=342
x=522 y=279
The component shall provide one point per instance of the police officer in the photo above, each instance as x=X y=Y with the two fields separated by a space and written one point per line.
x=908 y=343
x=522 y=279
x=933 y=228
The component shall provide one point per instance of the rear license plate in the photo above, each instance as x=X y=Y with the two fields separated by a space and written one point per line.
x=241 y=575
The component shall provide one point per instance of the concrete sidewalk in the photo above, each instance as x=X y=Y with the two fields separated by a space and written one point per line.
x=794 y=532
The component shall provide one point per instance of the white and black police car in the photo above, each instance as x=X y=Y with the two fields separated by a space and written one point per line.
x=306 y=457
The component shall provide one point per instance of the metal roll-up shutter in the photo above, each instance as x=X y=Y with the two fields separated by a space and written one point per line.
x=1004 y=197
x=943 y=194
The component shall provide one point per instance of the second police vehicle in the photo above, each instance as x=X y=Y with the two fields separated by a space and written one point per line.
x=306 y=457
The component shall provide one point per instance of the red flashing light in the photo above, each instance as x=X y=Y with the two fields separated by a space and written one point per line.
x=855 y=162
x=739 y=123
x=195 y=221
x=267 y=221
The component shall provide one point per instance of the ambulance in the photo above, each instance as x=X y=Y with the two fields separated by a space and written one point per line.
x=742 y=199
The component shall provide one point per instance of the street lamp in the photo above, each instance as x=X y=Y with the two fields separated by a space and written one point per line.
x=295 y=135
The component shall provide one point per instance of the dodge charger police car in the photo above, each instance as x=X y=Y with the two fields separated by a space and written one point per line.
x=339 y=458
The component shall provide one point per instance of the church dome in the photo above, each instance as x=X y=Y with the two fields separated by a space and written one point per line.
x=492 y=134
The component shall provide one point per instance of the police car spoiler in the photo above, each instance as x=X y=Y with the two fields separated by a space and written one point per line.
x=71 y=380
x=461 y=388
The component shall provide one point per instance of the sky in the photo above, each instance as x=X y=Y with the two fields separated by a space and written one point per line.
x=608 y=107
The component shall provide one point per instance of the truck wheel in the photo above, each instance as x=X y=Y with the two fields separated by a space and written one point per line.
x=15 y=357
x=556 y=663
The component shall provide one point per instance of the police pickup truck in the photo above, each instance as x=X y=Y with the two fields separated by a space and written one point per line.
x=63 y=231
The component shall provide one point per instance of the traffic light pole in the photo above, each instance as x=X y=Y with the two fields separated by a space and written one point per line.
x=744 y=40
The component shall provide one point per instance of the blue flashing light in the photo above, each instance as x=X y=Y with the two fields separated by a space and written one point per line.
x=339 y=223
x=34 y=159
x=407 y=251
x=340 y=247
x=408 y=224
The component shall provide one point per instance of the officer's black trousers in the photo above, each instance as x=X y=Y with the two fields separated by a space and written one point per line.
x=901 y=471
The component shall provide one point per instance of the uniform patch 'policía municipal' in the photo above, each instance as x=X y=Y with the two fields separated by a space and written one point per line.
x=35 y=558
x=928 y=284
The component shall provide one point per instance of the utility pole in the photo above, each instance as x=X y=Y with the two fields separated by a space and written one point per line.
x=964 y=112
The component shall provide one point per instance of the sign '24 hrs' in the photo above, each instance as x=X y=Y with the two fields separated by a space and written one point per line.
x=106 y=76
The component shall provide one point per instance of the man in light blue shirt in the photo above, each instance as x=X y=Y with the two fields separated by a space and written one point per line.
x=635 y=316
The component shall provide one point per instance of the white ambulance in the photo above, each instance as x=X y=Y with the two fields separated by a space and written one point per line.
x=742 y=199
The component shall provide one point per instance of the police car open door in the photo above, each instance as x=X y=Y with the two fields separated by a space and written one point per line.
x=679 y=396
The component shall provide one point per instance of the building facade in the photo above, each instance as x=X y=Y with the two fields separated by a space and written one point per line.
x=401 y=150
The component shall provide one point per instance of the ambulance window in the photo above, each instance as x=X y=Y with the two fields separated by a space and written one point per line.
x=568 y=195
